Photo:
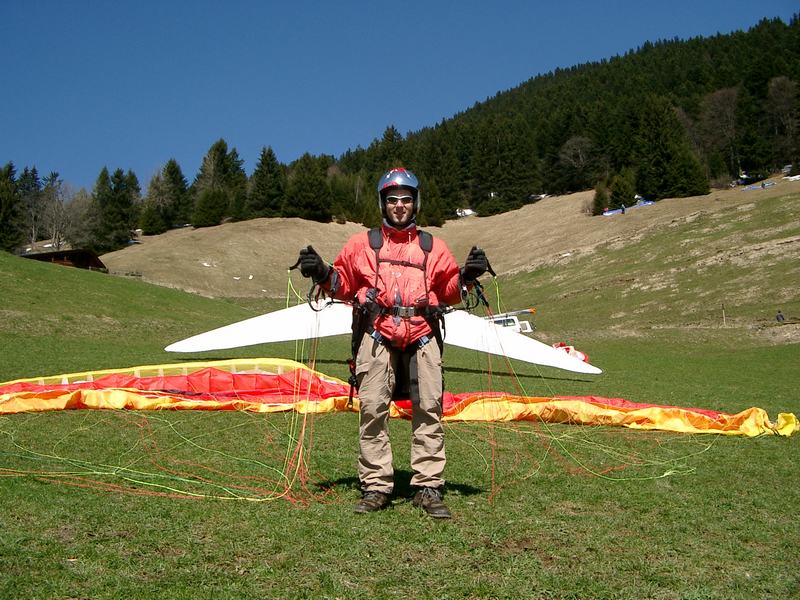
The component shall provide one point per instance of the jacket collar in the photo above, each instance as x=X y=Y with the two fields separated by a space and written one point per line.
x=408 y=232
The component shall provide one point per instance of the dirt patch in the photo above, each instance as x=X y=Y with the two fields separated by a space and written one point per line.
x=788 y=333
x=250 y=259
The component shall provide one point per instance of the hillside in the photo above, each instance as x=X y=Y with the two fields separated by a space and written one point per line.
x=736 y=246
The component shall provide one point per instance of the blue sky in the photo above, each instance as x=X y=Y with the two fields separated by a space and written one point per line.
x=131 y=84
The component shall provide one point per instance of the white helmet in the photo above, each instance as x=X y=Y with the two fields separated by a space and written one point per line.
x=399 y=177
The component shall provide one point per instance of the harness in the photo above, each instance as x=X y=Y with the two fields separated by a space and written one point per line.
x=365 y=314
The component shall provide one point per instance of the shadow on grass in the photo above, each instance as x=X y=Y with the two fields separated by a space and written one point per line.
x=402 y=485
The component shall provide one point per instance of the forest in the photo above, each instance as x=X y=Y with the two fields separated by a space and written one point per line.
x=672 y=118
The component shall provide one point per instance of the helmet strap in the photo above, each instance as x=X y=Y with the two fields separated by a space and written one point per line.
x=409 y=225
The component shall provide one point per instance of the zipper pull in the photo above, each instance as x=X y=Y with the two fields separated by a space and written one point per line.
x=397 y=303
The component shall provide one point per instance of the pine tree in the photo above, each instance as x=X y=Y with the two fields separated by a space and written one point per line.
x=115 y=197
x=29 y=190
x=601 y=201
x=623 y=189
x=210 y=208
x=235 y=185
x=267 y=186
x=342 y=199
x=98 y=238
x=222 y=170
x=176 y=191
x=12 y=225
x=665 y=164
x=431 y=214
x=151 y=220
x=307 y=192
x=388 y=152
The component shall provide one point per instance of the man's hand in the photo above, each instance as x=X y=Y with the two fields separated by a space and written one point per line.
x=476 y=264
x=311 y=265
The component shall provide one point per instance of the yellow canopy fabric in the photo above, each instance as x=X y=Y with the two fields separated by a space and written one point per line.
x=275 y=385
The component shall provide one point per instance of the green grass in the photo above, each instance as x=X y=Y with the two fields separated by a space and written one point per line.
x=541 y=511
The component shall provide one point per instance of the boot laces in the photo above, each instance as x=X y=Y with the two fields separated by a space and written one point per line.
x=430 y=494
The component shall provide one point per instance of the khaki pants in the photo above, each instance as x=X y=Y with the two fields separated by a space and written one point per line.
x=375 y=368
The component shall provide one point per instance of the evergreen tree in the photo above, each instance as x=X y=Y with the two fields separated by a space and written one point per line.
x=114 y=199
x=307 y=192
x=210 y=208
x=98 y=238
x=176 y=192
x=133 y=198
x=665 y=164
x=441 y=162
x=12 y=224
x=151 y=219
x=342 y=200
x=388 y=152
x=235 y=185
x=537 y=137
x=601 y=200
x=222 y=170
x=267 y=186
x=431 y=214
x=504 y=164
x=29 y=190
x=623 y=189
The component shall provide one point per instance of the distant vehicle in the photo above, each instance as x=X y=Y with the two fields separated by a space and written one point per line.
x=465 y=212
x=513 y=322
x=747 y=179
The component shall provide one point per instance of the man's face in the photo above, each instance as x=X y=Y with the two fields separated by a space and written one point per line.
x=399 y=206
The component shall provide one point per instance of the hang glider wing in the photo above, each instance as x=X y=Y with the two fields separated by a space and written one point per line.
x=302 y=322
x=470 y=331
x=299 y=322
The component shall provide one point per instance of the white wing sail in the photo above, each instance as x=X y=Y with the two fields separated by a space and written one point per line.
x=302 y=322
x=470 y=331
x=299 y=322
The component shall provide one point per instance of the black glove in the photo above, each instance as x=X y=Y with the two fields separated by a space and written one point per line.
x=476 y=264
x=312 y=265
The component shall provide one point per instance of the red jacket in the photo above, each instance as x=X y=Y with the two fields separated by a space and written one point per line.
x=399 y=279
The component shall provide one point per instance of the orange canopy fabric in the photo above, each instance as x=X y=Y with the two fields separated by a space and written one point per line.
x=274 y=385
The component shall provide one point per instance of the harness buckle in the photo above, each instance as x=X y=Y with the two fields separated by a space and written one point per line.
x=403 y=311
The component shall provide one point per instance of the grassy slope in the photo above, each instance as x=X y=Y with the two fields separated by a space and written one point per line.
x=583 y=512
x=57 y=320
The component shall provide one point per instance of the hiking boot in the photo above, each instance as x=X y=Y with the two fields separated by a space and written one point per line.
x=372 y=501
x=430 y=500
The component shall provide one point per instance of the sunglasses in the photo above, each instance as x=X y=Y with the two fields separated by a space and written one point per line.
x=392 y=200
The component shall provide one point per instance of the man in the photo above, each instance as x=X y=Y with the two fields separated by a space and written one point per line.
x=399 y=279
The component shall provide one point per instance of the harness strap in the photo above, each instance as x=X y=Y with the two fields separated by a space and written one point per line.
x=421 y=342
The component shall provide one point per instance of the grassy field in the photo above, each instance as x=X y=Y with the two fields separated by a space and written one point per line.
x=541 y=511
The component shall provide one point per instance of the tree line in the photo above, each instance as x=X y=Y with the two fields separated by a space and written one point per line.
x=669 y=119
